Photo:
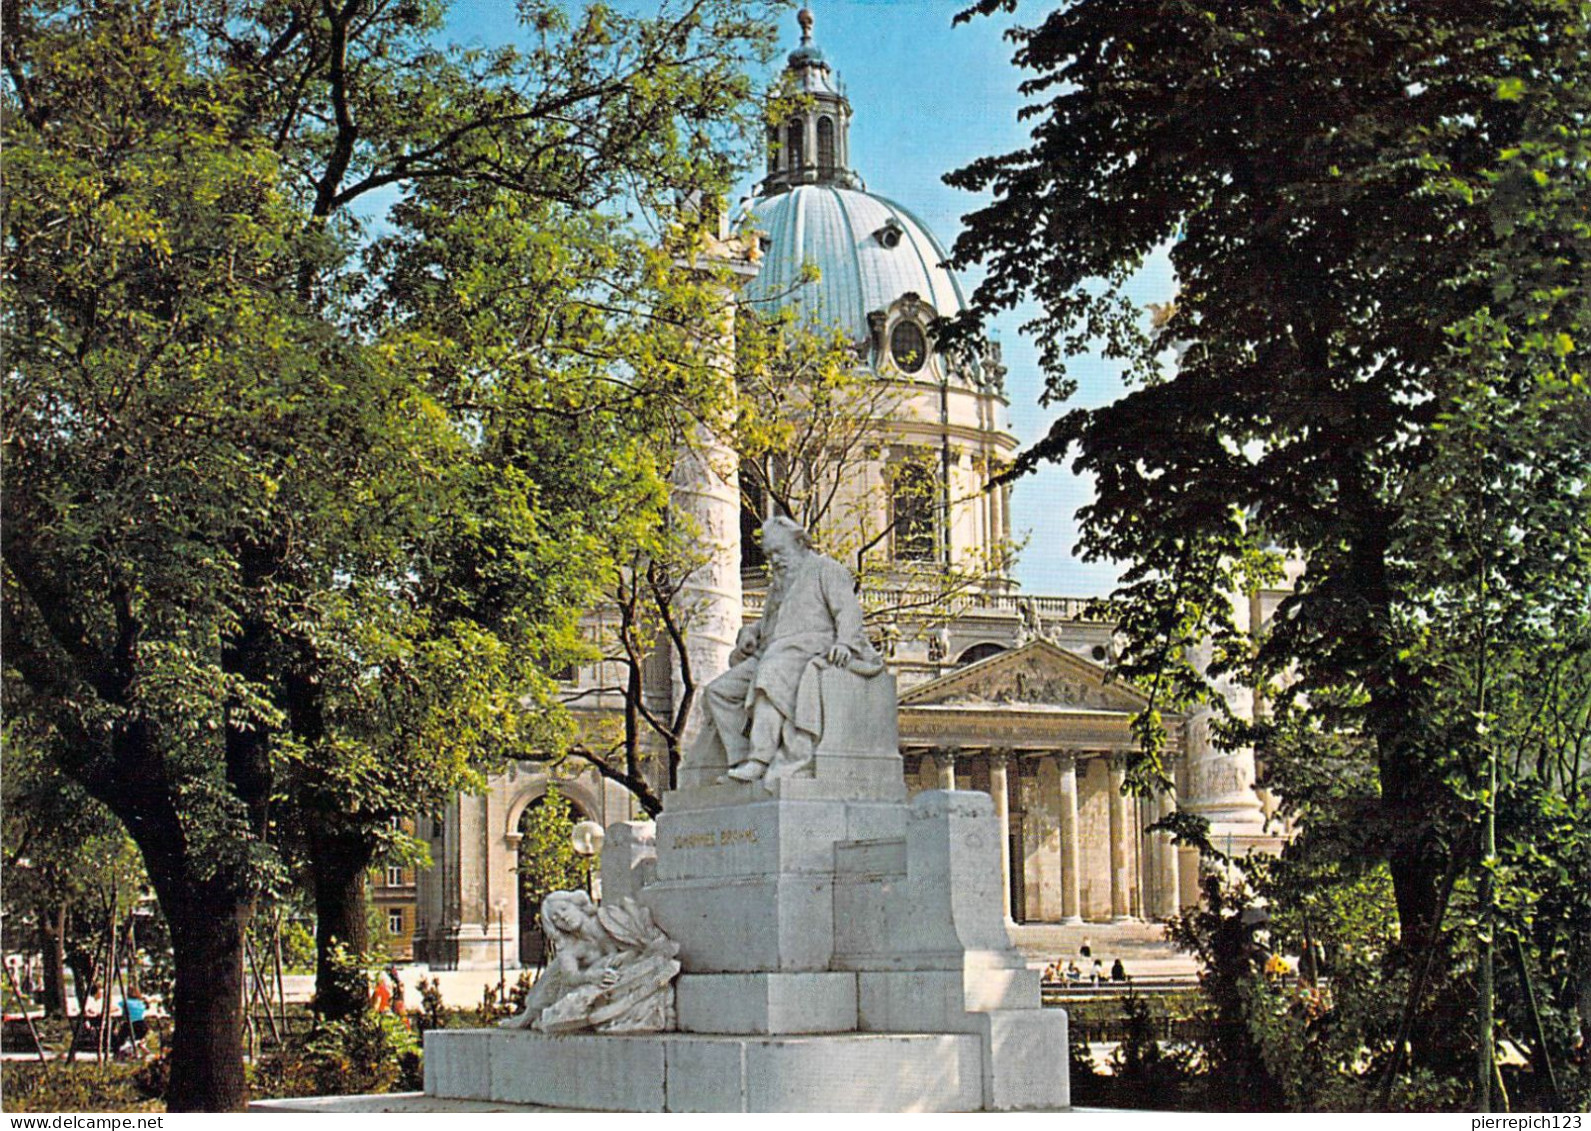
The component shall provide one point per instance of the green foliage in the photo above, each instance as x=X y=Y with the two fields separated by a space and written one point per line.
x=1377 y=217
x=300 y=514
x=1221 y=933
x=1326 y=1038
x=1083 y=1074
x=68 y=864
x=81 y=1087
x=520 y=990
x=367 y=1053
x=547 y=859
x=433 y=1012
x=490 y=1010
x=1144 y=1073
x=298 y=947
x=342 y=976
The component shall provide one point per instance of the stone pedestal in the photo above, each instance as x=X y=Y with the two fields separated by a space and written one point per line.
x=841 y=950
x=685 y=1072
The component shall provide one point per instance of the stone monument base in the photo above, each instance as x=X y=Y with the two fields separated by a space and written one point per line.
x=839 y=954
x=680 y=1072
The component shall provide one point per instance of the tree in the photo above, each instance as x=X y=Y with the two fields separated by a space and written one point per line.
x=1378 y=215
x=805 y=433
x=548 y=861
x=286 y=550
x=71 y=872
x=814 y=432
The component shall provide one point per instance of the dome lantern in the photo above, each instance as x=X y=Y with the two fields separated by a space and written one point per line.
x=813 y=145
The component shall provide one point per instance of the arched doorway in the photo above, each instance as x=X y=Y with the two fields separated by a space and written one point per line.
x=547 y=862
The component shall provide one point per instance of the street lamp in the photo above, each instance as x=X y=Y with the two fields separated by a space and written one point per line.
x=586 y=838
x=502 y=964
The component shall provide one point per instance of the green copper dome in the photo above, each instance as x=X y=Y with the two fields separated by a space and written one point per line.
x=869 y=252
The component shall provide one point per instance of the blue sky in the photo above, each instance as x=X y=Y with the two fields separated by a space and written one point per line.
x=926 y=98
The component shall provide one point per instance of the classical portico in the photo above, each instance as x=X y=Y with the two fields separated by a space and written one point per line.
x=1043 y=732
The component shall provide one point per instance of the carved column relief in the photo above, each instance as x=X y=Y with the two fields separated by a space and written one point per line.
x=1220 y=783
x=1071 y=880
x=705 y=491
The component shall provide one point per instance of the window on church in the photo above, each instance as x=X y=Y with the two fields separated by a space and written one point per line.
x=794 y=140
x=979 y=652
x=908 y=346
x=773 y=149
x=826 y=144
x=913 y=505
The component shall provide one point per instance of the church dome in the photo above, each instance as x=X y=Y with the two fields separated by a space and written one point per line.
x=869 y=253
x=881 y=279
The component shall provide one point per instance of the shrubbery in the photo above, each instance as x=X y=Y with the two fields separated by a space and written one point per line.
x=367 y=1053
x=1323 y=1038
x=58 y=1086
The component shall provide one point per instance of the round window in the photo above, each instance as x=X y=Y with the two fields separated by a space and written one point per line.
x=908 y=346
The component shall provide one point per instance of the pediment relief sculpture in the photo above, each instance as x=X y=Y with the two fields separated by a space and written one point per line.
x=1038 y=674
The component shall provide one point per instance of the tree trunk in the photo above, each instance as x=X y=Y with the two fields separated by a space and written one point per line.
x=207 y=904
x=1415 y=859
x=341 y=863
x=85 y=972
x=207 y=1045
x=53 y=922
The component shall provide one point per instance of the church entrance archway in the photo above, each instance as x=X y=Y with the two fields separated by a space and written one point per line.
x=546 y=862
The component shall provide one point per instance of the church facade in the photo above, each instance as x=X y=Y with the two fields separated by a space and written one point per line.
x=1000 y=691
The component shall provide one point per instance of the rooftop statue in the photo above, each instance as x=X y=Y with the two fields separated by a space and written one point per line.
x=612 y=970
x=763 y=718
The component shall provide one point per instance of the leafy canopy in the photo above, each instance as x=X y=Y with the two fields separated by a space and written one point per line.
x=1380 y=221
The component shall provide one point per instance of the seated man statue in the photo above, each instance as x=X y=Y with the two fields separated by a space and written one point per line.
x=763 y=715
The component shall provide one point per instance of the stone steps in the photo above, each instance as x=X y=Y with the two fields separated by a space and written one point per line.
x=1142 y=947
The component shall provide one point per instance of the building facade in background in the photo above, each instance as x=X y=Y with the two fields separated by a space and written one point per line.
x=1000 y=691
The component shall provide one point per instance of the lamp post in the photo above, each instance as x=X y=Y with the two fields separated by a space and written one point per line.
x=586 y=838
x=502 y=964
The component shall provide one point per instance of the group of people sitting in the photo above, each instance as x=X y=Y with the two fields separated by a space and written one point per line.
x=129 y=1021
x=1071 y=973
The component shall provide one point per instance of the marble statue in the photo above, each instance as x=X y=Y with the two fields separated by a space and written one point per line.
x=1030 y=626
x=612 y=970
x=762 y=718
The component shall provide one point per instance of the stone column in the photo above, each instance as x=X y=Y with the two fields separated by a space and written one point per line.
x=1168 y=888
x=1120 y=882
x=1000 y=793
x=1071 y=881
x=1147 y=868
x=945 y=761
x=1188 y=876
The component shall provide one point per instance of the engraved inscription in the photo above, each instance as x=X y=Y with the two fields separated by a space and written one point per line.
x=714 y=839
x=696 y=840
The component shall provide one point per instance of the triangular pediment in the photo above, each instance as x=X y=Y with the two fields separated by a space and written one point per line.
x=1037 y=674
